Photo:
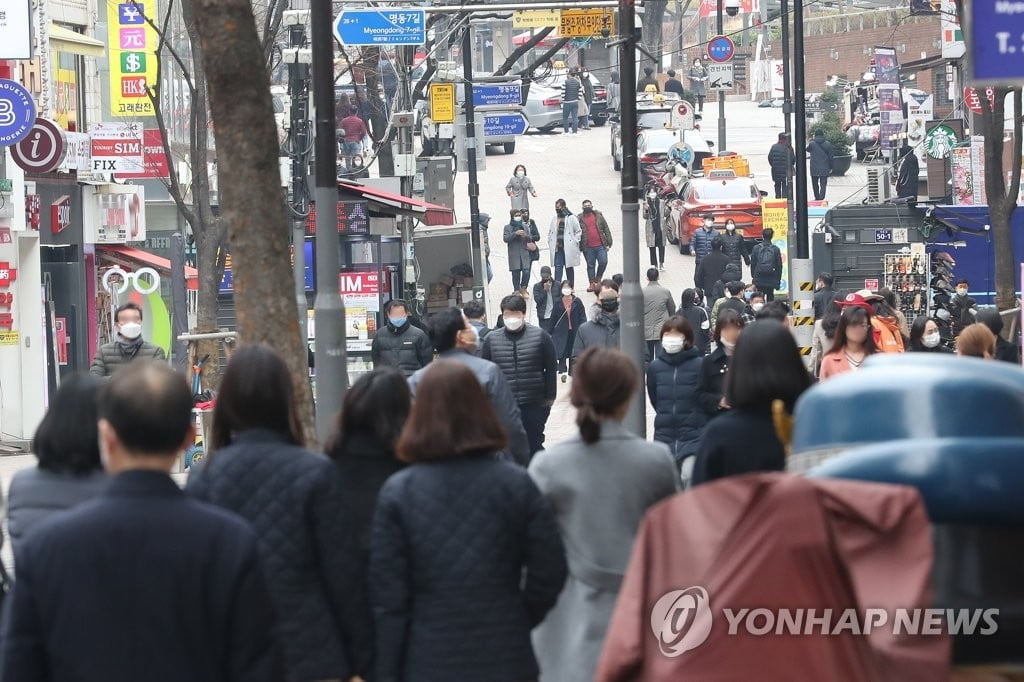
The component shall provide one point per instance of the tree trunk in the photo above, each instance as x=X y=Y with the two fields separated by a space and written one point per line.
x=1002 y=199
x=251 y=200
x=654 y=17
x=523 y=49
x=378 y=118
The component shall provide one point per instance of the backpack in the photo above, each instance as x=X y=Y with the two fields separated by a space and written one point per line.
x=765 y=262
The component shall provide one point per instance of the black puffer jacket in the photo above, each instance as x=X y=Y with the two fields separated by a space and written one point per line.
x=466 y=559
x=408 y=348
x=735 y=247
x=732 y=274
x=603 y=331
x=527 y=359
x=291 y=499
x=700 y=320
x=711 y=383
x=672 y=387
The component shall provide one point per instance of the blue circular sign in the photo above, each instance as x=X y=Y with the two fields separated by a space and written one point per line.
x=17 y=112
x=721 y=49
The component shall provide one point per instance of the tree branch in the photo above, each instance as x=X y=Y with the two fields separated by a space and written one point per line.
x=544 y=58
x=1018 y=129
x=523 y=49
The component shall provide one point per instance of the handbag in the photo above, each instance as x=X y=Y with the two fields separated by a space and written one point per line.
x=534 y=251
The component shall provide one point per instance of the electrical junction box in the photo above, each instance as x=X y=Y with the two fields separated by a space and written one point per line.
x=434 y=179
x=405 y=165
x=403 y=119
x=446 y=131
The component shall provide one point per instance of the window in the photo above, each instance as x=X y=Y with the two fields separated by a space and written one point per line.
x=732 y=191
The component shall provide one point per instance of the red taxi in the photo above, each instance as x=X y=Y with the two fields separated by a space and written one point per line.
x=721 y=194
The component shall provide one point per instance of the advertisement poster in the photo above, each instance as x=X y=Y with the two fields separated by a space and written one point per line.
x=775 y=215
x=978 y=168
x=920 y=109
x=131 y=46
x=963 y=180
x=952 y=35
x=360 y=290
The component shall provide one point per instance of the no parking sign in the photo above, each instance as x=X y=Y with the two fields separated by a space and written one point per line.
x=17 y=112
x=682 y=115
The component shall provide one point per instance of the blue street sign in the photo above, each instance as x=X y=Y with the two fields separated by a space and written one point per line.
x=499 y=93
x=496 y=125
x=17 y=112
x=721 y=49
x=996 y=43
x=390 y=26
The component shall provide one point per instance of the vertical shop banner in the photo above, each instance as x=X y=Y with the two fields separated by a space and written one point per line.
x=978 y=168
x=131 y=46
x=65 y=85
x=920 y=109
x=890 y=98
x=951 y=35
x=963 y=179
x=774 y=214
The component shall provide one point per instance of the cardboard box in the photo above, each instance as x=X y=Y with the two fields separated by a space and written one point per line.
x=447 y=279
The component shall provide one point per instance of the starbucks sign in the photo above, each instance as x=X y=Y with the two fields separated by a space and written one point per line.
x=939 y=141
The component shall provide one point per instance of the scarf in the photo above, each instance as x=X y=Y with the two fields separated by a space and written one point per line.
x=560 y=243
x=128 y=349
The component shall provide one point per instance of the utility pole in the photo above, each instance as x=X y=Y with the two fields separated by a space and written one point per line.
x=403 y=70
x=298 y=58
x=787 y=121
x=720 y=29
x=631 y=333
x=802 y=250
x=479 y=272
x=330 y=352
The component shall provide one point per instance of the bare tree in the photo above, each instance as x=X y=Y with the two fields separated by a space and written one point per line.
x=654 y=17
x=534 y=40
x=253 y=210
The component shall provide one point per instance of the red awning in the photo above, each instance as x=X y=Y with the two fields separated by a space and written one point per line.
x=549 y=40
x=429 y=214
x=130 y=257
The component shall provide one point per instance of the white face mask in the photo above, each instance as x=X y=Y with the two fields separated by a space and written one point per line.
x=520 y=174
x=728 y=345
x=931 y=340
x=730 y=227
x=756 y=307
x=566 y=291
x=652 y=195
x=672 y=344
x=513 y=324
x=131 y=330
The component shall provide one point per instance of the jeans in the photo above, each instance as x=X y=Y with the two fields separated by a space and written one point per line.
x=570 y=114
x=819 y=183
x=351 y=149
x=597 y=261
x=520 y=279
x=535 y=418
x=570 y=273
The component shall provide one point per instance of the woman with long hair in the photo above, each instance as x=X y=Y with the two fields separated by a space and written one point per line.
x=466 y=557
x=600 y=483
x=976 y=341
x=825 y=331
x=569 y=315
x=854 y=340
x=711 y=384
x=258 y=468
x=925 y=337
x=698 y=317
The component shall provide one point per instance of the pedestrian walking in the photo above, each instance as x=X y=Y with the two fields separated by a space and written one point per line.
x=672 y=388
x=698 y=317
x=824 y=294
x=673 y=84
x=733 y=300
x=658 y=307
x=825 y=332
x=595 y=307
x=614 y=92
x=597 y=239
x=1005 y=351
x=526 y=355
x=698 y=76
x=782 y=159
x=475 y=314
x=256 y=461
x=884 y=322
x=353 y=132
x=69 y=470
x=544 y=298
x=521 y=237
x=700 y=244
x=925 y=337
x=756 y=306
x=711 y=267
x=854 y=340
x=734 y=245
x=647 y=80
x=604 y=331
x=766 y=265
x=599 y=482
x=141 y=583
x=564 y=235
x=732 y=273
x=588 y=99
x=572 y=91
x=963 y=309
x=520 y=189
x=715 y=367
x=653 y=231
x=907 y=176
x=455 y=339
x=889 y=296
x=128 y=344
x=821 y=163
x=570 y=316
x=976 y=341
x=466 y=554
x=400 y=344
x=765 y=368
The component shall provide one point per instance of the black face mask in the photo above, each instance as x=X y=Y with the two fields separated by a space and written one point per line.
x=610 y=305
x=588 y=209
x=562 y=211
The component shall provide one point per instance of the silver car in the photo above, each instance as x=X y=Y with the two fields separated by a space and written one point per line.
x=543 y=108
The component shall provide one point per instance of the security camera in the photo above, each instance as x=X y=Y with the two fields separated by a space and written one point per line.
x=605 y=32
x=732 y=7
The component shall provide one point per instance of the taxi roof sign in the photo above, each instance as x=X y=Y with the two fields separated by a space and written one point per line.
x=722 y=173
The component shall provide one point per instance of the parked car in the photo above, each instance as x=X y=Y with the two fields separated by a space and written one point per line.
x=649 y=115
x=543 y=107
x=652 y=146
x=722 y=194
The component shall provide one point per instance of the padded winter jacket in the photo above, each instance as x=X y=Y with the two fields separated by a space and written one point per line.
x=762 y=275
x=603 y=331
x=672 y=387
x=735 y=247
x=527 y=359
x=408 y=348
x=112 y=356
x=700 y=244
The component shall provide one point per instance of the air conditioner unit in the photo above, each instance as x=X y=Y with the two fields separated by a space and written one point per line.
x=878 y=186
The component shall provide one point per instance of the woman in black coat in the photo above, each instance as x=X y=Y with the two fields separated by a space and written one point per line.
x=699 y=319
x=766 y=367
x=466 y=554
x=258 y=469
x=672 y=387
x=711 y=383
x=569 y=314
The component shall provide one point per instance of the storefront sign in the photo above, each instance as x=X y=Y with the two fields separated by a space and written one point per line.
x=115 y=214
x=78 y=157
x=871 y=284
x=883 y=236
x=33 y=209
x=360 y=290
x=775 y=215
x=60 y=214
x=996 y=42
x=8 y=338
x=353 y=217
x=585 y=23
x=131 y=46
x=17 y=112
x=154 y=159
x=8 y=275
x=43 y=150
x=116 y=147
x=963 y=178
x=536 y=18
x=61 y=341
x=939 y=141
x=16 y=30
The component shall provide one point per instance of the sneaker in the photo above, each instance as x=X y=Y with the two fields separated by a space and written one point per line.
x=661 y=267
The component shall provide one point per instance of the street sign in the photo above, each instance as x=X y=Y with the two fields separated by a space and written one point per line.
x=154 y=160
x=720 y=76
x=681 y=152
x=43 y=150
x=585 y=23
x=496 y=125
x=721 y=49
x=995 y=43
x=391 y=26
x=117 y=147
x=17 y=112
x=682 y=115
x=497 y=93
x=939 y=141
x=442 y=102
x=536 y=18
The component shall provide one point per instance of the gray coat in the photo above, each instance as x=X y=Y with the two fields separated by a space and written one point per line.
x=519 y=190
x=821 y=157
x=110 y=358
x=518 y=253
x=600 y=493
x=658 y=307
x=572 y=233
x=698 y=76
x=37 y=494
x=603 y=331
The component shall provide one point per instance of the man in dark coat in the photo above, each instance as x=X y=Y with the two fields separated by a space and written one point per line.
x=712 y=267
x=127 y=346
x=673 y=84
x=142 y=583
x=603 y=331
x=700 y=245
x=823 y=294
x=906 y=178
x=648 y=79
x=735 y=246
x=766 y=266
x=400 y=344
x=821 y=163
x=781 y=158
x=1005 y=351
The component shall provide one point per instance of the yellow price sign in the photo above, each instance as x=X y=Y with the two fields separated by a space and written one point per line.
x=585 y=23
x=9 y=338
x=536 y=18
x=442 y=102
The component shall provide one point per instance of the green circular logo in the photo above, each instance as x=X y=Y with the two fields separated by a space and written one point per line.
x=939 y=141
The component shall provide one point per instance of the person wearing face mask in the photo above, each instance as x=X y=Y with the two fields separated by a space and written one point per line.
x=652 y=227
x=735 y=246
x=456 y=339
x=597 y=239
x=698 y=317
x=698 y=76
x=712 y=267
x=700 y=244
x=520 y=189
x=755 y=304
x=603 y=331
x=127 y=346
x=570 y=314
x=564 y=234
x=658 y=307
x=522 y=236
x=588 y=99
x=854 y=340
x=925 y=337
x=400 y=344
x=963 y=309
x=713 y=370
x=526 y=356
x=672 y=387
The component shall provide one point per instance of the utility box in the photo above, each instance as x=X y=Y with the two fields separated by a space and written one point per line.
x=434 y=180
x=478 y=143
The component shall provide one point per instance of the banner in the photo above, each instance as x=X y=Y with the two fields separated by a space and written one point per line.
x=890 y=98
x=132 y=44
x=774 y=214
x=15 y=30
x=978 y=169
x=963 y=179
x=920 y=109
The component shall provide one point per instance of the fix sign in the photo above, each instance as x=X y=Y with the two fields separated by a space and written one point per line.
x=117 y=147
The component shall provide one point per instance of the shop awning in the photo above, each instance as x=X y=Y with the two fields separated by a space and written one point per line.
x=65 y=40
x=130 y=257
x=429 y=214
